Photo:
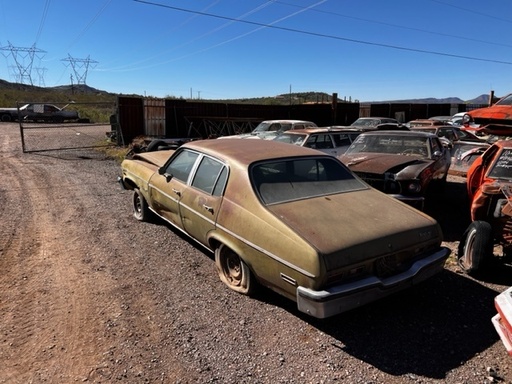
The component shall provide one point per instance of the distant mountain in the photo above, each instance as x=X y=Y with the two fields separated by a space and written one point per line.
x=482 y=99
x=295 y=98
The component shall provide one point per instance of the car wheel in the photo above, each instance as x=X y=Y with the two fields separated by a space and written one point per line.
x=140 y=206
x=475 y=247
x=6 y=118
x=233 y=271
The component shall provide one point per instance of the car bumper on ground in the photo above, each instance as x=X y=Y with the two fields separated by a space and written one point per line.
x=503 y=319
x=342 y=298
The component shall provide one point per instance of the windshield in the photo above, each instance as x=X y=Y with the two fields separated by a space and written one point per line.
x=366 y=122
x=302 y=178
x=271 y=127
x=408 y=145
x=507 y=100
x=291 y=139
x=502 y=168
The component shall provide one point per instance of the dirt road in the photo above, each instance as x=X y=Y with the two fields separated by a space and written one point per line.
x=88 y=294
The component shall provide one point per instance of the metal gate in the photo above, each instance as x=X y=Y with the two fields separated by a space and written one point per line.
x=50 y=133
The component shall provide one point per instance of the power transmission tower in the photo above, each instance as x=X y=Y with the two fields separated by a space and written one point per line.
x=40 y=74
x=80 y=67
x=23 y=60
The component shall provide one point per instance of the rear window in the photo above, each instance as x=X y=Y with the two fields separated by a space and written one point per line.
x=300 y=178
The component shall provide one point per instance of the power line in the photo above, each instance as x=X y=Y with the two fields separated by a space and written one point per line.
x=408 y=28
x=43 y=19
x=325 y=35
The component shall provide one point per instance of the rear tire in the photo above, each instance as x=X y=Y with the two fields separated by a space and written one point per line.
x=233 y=271
x=140 y=206
x=475 y=247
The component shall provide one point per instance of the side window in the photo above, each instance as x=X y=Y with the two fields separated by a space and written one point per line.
x=341 y=139
x=324 y=142
x=181 y=165
x=207 y=174
x=448 y=133
x=221 y=182
x=436 y=146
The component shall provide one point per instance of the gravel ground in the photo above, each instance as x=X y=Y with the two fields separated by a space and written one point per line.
x=88 y=294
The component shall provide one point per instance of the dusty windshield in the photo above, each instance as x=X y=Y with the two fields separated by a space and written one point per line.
x=409 y=145
x=291 y=139
x=507 y=100
x=301 y=178
x=271 y=127
x=366 y=122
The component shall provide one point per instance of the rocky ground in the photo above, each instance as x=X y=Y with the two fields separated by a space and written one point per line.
x=88 y=294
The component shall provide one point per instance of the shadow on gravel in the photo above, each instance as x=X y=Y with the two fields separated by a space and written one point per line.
x=425 y=331
x=450 y=209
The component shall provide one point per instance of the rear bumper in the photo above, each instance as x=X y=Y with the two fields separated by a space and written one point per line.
x=342 y=298
x=503 y=319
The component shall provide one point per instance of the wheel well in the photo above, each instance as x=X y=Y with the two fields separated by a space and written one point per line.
x=130 y=183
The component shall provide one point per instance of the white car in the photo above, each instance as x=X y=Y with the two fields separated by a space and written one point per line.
x=331 y=140
x=269 y=129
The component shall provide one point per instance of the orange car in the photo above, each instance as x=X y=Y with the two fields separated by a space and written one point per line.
x=493 y=120
x=489 y=186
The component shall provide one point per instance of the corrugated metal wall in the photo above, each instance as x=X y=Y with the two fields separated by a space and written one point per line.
x=170 y=118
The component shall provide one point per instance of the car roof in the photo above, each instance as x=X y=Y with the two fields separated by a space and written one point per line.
x=287 y=121
x=398 y=133
x=245 y=152
x=334 y=129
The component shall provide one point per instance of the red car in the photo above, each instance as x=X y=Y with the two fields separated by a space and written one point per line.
x=489 y=186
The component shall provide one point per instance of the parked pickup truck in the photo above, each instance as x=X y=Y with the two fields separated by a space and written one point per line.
x=38 y=113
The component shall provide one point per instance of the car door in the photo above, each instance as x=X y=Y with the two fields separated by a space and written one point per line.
x=201 y=200
x=168 y=185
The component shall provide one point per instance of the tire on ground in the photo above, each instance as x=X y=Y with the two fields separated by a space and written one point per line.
x=475 y=247
x=233 y=271
x=140 y=206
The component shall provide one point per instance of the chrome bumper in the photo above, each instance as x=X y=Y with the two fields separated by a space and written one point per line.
x=342 y=298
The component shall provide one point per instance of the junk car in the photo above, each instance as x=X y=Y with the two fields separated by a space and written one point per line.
x=403 y=164
x=289 y=218
x=489 y=188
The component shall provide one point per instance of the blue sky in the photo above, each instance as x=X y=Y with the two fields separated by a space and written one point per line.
x=366 y=50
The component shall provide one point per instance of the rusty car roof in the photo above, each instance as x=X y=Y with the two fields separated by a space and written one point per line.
x=399 y=133
x=334 y=129
x=245 y=152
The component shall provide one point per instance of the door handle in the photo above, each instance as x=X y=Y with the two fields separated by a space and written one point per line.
x=208 y=208
x=176 y=192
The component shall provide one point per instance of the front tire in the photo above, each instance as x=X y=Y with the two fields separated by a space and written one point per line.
x=140 y=206
x=475 y=247
x=233 y=271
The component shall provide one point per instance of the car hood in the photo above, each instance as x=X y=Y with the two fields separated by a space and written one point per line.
x=496 y=112
x=380 y=163
x=369 y=224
